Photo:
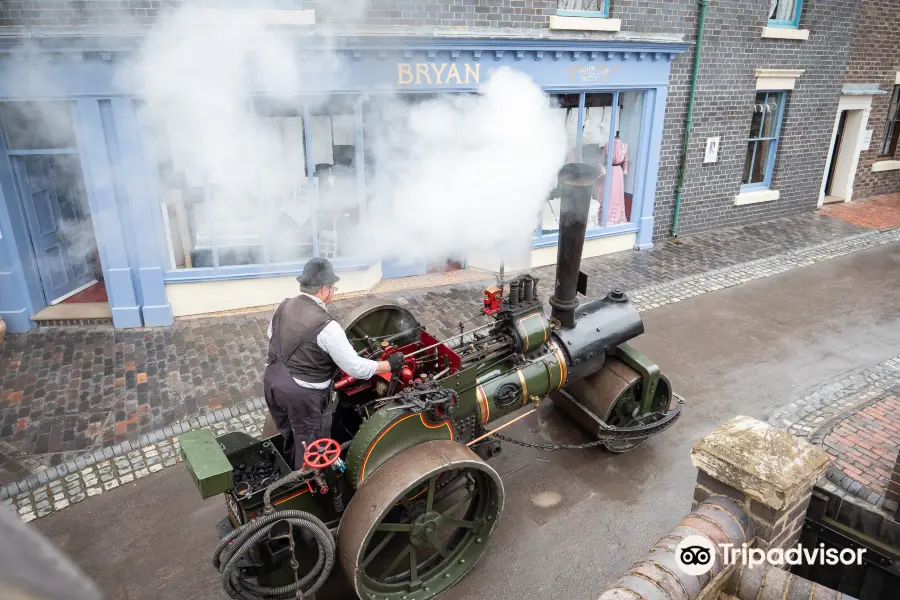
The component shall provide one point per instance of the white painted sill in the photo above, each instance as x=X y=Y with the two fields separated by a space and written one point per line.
x=756 y=197
x=886 y=165
x=785 y=33
x=585 y=23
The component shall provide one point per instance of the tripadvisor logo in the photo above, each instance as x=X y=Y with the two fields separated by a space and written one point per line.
x=697 y=555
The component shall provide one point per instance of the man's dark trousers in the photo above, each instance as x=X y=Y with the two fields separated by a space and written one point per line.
x=301 y=414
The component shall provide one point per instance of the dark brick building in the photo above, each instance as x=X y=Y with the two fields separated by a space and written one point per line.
x=875 y=61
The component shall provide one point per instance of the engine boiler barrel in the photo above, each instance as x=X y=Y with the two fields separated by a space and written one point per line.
x=576 y=181
x=505 y=388
x=599 y=325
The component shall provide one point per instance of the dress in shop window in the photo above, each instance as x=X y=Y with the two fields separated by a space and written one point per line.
x=616 y=212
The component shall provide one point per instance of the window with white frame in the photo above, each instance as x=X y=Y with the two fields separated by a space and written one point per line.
x=762 y=145
x=582 y=8
x=785 y=13
x=892 y=127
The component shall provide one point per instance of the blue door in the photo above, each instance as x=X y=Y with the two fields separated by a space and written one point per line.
x=56 y=209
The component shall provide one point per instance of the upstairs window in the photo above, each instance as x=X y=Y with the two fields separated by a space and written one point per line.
x=582 y=8
x=765 y=127
x=785 y=13
x=892 y=127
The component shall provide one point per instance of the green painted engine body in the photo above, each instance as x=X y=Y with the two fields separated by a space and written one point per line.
x=486 y=391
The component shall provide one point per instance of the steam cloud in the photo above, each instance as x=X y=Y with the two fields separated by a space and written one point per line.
x=446 y=176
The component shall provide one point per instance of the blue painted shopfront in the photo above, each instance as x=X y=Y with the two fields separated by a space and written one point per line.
x=122 y=184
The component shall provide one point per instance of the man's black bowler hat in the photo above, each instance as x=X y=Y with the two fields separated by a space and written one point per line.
x=318 y=272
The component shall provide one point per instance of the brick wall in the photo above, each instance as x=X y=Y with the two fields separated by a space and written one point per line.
x=892 y=494
x=876 y=59
x=67 y=14
x=733 y=48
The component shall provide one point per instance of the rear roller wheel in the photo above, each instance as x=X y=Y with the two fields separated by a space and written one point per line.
x=420 y=522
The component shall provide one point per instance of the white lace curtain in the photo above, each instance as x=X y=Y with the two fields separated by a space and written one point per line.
x=782 y=10
x=580 y=5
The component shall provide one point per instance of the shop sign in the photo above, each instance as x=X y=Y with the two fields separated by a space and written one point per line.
x=438 y=73
x=591 y=73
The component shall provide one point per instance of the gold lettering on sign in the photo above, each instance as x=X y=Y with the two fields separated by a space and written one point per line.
x=454 y=72
x=422 y=71
x=438 y=72
x=476 y=72
x=404 y=74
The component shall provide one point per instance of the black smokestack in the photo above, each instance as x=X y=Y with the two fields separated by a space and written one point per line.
x=576 y=181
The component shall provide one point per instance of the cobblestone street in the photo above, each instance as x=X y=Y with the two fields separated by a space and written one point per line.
x=67 y=391
x=856 y=418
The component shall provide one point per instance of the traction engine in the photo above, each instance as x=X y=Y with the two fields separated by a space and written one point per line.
x=402 y=495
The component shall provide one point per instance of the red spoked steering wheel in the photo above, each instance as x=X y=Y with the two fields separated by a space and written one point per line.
x=321 y=453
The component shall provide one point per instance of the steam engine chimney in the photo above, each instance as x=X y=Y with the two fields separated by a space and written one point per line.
x=576 y=181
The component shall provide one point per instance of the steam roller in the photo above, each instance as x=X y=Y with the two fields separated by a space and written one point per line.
x=402 y=496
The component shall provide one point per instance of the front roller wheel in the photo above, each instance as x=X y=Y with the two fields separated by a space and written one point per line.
x=420 y=522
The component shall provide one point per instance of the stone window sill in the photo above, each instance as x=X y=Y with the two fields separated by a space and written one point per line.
x=886 y=165
x=785 y=33
x=585 y=23
x=756 y=196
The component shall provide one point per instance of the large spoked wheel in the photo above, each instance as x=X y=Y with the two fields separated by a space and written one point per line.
x=373 y=323
x=420 y=522
x=625 y=411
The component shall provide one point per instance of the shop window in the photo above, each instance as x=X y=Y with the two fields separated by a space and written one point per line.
x=608 y=138
x=332 y=148
x=267 y=219
x=614 y=190
x=762 y=145
x=38 y=125
x=892 y=127
x=785 y=13
x=569 y=106
x=582 y=8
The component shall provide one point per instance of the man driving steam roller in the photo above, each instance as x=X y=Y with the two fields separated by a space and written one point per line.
x=306 y=347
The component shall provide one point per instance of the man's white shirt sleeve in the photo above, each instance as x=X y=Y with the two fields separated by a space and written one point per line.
x=333 y=340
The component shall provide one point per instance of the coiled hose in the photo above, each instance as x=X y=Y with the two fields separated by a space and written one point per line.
x=240 y=542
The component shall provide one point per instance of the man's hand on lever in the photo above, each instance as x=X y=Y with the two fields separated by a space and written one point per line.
x=393 y=363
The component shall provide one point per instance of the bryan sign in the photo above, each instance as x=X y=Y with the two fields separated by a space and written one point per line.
x=438 y=74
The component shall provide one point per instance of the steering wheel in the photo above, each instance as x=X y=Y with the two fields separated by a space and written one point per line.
x=321 y=453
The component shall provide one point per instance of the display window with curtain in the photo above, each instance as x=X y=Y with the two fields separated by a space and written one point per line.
x=604 y=130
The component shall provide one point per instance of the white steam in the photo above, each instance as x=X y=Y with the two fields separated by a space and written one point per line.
x=465 y=173
x=447 y=176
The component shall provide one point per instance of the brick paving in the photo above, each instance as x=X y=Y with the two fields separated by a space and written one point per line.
x=856 y=418
x=865 y=442
x=877 y=212
x=68 y=391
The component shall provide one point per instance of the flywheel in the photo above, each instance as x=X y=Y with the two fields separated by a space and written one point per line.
x=420 y=522
x=379 y=321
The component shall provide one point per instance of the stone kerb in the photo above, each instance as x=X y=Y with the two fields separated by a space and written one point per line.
x=767 y=471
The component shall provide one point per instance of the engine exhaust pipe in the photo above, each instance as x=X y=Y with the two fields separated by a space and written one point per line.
x=576 y=181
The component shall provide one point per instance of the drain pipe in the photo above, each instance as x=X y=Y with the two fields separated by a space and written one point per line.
x=690 y=115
